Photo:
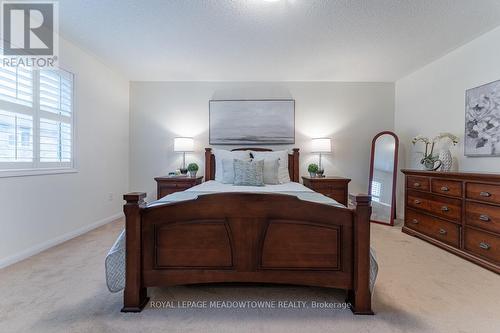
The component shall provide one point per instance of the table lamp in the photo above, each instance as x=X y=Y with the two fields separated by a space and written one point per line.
x=183 y=145
x=321 y=145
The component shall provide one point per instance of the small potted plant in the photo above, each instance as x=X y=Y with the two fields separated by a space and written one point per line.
x=193 y=169
x=312 y=169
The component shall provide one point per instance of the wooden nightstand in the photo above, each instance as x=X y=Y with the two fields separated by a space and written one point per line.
x=167 y=185
x=333 y=187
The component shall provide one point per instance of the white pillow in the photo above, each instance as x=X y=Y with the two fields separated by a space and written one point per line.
x=271 y=170
x=282 y=155
x=221 y=154
x=228 y=170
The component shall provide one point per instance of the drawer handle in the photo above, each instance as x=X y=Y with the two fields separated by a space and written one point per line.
x=414 y=221
x=485 y=194
x=445 y=189
x=416 y=184
x=484 y=246
x=417 y=202
x=442 y=231
x=484 y=218
x=445 y=209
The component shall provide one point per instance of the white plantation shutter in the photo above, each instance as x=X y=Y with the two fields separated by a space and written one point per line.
x=56 y=89
x=16 y=85
x=36 y=119
x=56 y=105
x=55 y=141
x=16 y=137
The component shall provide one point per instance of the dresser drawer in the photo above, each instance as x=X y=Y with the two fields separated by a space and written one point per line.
x=483 y=192
x=447 y=187
x=449 y=209
x=483 y=216
x=418 y=202
x=437 y=205
x=418 y=183
x=483 y=244
x=443 y=231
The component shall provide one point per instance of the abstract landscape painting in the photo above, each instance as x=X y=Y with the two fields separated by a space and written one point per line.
x=482 y=120
x=235 y=122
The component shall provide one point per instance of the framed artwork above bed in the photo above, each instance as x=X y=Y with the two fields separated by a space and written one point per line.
x=247 y=122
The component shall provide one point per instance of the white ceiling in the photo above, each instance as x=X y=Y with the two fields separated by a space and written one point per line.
x=257 y=40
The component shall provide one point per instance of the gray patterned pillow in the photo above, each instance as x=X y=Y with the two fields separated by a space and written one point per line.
x=249 y=173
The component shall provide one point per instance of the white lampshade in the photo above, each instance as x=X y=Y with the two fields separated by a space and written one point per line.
x=322 y=145
x=183 y=144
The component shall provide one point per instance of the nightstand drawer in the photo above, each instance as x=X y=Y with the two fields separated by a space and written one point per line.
x=337 y=195
x=169 y=185
x=332 y=187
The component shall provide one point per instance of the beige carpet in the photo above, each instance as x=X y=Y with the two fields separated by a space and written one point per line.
x=419 y=289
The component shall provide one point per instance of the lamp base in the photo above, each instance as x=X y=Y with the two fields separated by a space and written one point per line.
x=320 y=173
x=183 y=171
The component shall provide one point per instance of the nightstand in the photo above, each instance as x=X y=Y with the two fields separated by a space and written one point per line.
x=167 y=185
x=333 y=187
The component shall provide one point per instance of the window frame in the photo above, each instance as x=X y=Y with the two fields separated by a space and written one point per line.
x=36 y=167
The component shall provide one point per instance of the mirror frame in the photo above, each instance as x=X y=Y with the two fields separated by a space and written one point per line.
x=394 y=176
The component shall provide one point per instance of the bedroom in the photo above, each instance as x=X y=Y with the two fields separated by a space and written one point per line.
x=132 y=78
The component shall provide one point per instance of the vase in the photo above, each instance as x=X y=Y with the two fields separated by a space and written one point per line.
x=430 y=165
x=446 y=160
x=312 y=174
x=192 y=174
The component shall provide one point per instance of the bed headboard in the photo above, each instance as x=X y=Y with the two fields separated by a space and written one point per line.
x=293 y=163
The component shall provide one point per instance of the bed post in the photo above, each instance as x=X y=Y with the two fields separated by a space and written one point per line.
x=296 y=175
x=208 y=164
x=134 y=295
x=360 y=297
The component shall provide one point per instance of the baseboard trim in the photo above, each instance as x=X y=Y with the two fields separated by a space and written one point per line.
x=56 y=241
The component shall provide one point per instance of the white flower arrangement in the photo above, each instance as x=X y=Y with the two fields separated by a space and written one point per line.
x=429 y=157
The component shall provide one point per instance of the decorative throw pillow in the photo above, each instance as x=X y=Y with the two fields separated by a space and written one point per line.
x=228 y=170
x=282 y=155
x=249 y=173
x=221 y=154
x=271 y=171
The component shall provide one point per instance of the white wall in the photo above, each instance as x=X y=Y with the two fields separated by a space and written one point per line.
x=39 y=211
x=350 y=113
x=431 y=100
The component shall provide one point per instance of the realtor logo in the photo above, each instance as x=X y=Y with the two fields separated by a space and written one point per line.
x=29 y=33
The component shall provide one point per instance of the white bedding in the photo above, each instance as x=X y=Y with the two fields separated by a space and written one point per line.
x=218 y=187
x=212 y=186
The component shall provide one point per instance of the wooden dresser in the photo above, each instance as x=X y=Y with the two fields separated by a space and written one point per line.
x=459 y=212
x=333 y=187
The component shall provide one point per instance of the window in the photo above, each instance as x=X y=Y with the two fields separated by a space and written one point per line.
x=376 y=190
x=36 y=121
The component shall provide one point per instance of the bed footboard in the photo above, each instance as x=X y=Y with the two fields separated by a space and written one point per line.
x=246 y=237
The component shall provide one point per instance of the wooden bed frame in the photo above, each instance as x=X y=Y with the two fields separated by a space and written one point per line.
x=247 y=237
